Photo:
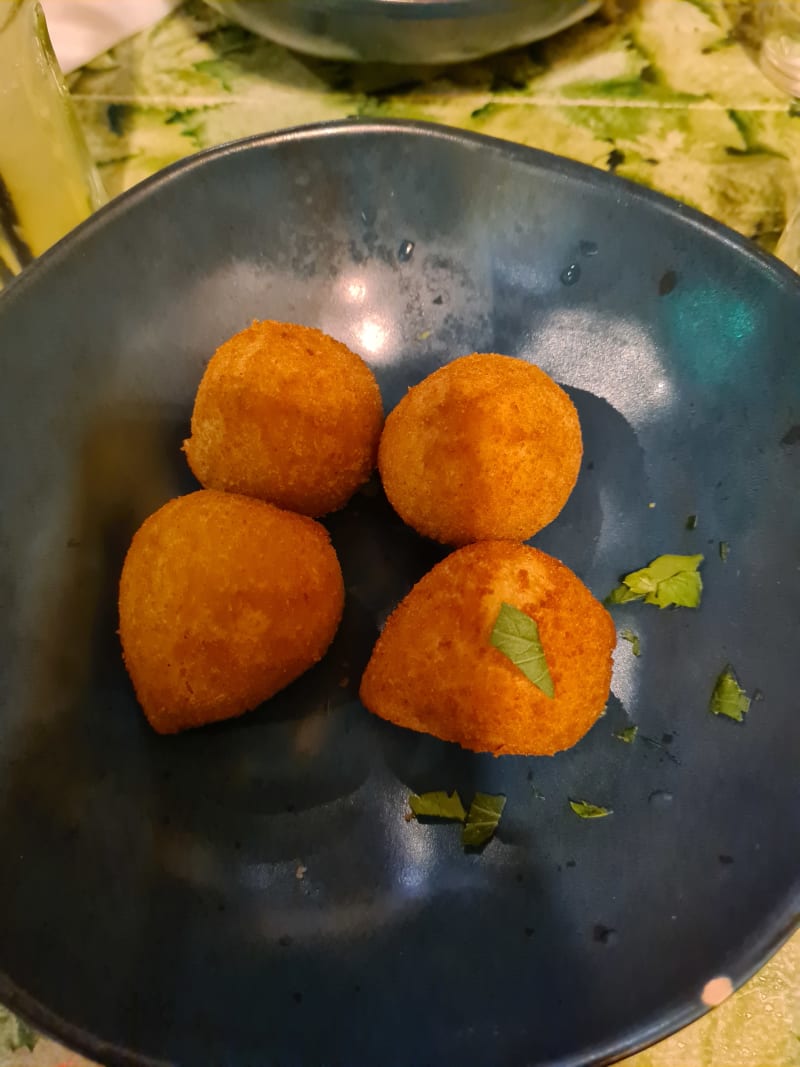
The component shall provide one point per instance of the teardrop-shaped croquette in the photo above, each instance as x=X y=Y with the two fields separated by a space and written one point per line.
x=286 y=414
x=435 y=669
x=223 y=601
x=488 y=447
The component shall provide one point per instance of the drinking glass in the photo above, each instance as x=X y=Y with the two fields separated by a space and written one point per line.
x=47 y=181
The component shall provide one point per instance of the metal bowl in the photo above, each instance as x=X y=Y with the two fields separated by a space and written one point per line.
x=405 y=31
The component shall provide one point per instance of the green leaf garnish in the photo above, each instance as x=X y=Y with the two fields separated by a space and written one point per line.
x=484 y=815
x=628 y=635
x=683 y=590
x=628 y=734
x=437 y=805
x=724 y=549
x=516 y=635
x=666 y=581
x=584 y=810
x=622 y=595
x=728 y=697
x=648 y=579
x=691 y=522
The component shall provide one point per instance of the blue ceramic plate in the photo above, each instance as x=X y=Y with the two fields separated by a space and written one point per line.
x=251 y=894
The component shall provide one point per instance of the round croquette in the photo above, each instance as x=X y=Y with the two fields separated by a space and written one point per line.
x=435 y=669
x=223 y=601
x=487 y=447
x=286 y=414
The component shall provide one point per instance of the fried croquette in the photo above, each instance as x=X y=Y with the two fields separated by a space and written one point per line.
x=286 y=414
x=223 y=601
x=435 y=669
x=486 y=448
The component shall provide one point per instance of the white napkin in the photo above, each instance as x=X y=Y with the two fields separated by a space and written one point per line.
x=82 y=29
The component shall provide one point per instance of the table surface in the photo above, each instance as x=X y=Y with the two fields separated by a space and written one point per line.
x=664 y=92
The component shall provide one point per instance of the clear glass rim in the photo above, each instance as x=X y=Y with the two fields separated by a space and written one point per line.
x=8 y=11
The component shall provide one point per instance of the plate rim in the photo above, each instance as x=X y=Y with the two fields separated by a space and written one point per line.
x=785 y=921
x=536 y=158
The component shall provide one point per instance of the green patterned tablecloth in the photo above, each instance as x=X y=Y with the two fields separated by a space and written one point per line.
x=665 y=95
x=665 y=92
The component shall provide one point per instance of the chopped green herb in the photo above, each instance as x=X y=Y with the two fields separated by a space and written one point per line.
x=648 y=579
x=667 y=580
x=437 y=805
x=724 y=549
x=691 y=522
x=484 y=815
x=728 y=697
x=589 y=811
x=628 y=734
x=628 y=635
x=622 y=595
x=516 y=635
x=683 y=590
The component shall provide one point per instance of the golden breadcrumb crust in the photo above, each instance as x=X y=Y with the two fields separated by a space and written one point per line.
x=487 y=447
x=223 y=601
x=434 y=668
x=286 y=414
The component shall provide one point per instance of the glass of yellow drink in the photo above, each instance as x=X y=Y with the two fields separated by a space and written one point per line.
x=47 y=181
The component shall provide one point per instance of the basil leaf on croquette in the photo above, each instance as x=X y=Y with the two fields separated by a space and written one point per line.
x=516 y=635
x=728 y=697
x=437 y=805
x=667 y=581
x=484 y=815
x=434 y=669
